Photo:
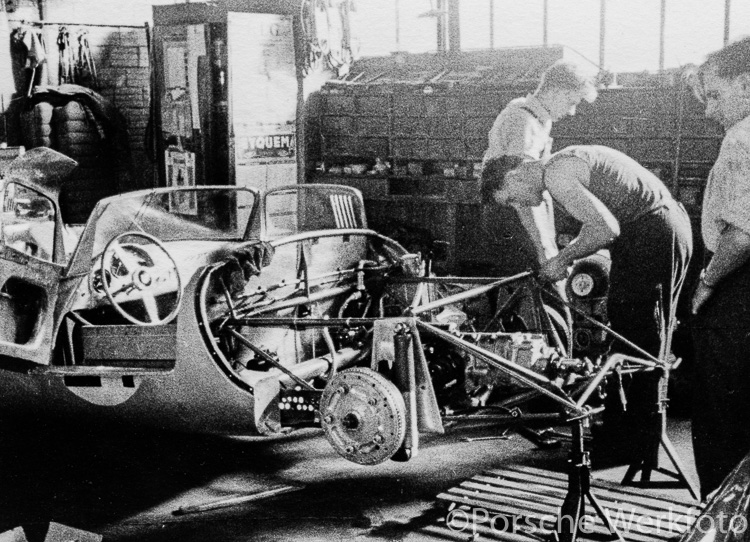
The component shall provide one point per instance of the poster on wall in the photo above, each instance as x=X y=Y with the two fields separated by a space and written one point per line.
x=263 y=86
x=267 y=146
x=181 y=173
x=176 y=116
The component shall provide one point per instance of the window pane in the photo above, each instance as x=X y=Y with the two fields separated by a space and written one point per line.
x=632 y=35
x=374 y=26
x=418 y=34
x=28 y=222
x=739 y=26
x=518 y=23
x=475 y=23
x=575 y=24
x=694 y=28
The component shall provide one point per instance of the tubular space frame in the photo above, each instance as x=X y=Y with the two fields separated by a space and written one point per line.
x=537 y=382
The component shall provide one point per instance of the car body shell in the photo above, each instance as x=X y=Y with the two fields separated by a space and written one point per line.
x=203 y=309
x=79 y=360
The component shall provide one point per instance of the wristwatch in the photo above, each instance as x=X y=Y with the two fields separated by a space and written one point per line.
x=705 y=283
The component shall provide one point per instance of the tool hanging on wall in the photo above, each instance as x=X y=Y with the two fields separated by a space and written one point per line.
x=66 y=59
x=76 y=62
x=85 y=68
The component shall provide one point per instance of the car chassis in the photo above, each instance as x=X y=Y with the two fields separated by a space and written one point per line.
x=167 y=310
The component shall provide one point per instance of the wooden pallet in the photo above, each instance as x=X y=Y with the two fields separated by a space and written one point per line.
x=530 y=499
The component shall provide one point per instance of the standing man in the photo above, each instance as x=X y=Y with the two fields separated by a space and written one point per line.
x=522 y=131
x=523 y=128
x=721 y=302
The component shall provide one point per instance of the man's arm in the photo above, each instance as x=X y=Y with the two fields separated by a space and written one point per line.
x=565 y=181
x=733 y=246
x=539 y=223
x=732 y=252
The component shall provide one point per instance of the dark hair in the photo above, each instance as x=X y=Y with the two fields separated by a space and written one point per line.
x=730 y=61
x=493 y=175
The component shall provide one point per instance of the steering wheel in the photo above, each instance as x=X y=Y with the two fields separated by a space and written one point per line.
x=128 y=267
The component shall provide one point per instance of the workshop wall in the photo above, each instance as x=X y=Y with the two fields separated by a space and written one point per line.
x=411 y=133
x=117 y=41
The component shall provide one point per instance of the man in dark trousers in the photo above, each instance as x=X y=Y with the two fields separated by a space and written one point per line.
x=623 y=207
x=721 y=302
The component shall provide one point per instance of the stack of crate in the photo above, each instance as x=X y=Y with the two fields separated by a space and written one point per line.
x=663 y=128
x=431 y=127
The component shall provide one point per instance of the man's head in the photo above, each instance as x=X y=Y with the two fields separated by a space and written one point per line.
x=562 y=88
x=725 y=83
x=509 y=180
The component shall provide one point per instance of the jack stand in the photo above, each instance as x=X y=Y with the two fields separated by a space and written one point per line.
x=656 y=438
x=579 y=489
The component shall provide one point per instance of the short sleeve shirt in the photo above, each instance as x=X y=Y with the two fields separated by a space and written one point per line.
x=726 y=200
x=521 y=129
x=625 y=187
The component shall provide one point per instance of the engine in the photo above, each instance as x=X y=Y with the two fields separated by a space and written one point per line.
x=527 y=350
x=462 y=379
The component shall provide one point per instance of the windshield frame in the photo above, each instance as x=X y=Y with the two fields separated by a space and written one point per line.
x=360 y=216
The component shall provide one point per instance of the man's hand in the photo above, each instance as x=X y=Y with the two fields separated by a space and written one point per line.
x=701 y=295
x=553 y=270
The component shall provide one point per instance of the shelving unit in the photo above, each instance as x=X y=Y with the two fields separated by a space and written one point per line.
x=662 y=127
x=430 y=123
x=428 y=129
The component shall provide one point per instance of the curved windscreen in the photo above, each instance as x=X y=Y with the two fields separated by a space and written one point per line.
x=193 y=214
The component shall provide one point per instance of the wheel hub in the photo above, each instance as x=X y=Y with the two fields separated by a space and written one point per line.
x=363 y=415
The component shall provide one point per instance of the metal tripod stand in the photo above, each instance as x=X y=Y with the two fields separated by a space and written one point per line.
x=579 y=490
x=656 y=438
x=656 y=424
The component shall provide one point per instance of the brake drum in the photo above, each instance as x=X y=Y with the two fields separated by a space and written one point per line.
x=363 y=415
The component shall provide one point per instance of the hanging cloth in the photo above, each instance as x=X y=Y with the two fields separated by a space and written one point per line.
x=32 y=41
x=7 y=86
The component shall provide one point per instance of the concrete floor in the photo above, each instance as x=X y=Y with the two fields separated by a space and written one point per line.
x=126 y=485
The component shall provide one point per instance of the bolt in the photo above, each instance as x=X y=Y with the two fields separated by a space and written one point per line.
x=328 y=419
